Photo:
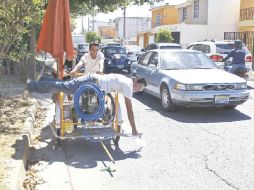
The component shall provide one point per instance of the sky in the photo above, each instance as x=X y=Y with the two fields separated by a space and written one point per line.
x=131 y=11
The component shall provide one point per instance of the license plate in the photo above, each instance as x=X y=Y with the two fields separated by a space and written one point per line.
x=221 y=99
x=117 y=56
x=120 y=66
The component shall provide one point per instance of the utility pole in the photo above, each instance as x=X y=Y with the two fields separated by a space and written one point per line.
x=88 y=24
x=124 y=25
x=93 y=22
x=82 y=25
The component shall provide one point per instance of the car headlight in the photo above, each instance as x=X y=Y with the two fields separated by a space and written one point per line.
x=241 y=86
x=194 y=87
x=191 y=87
x=129 y=62
x=109 y=62
x=180 y=86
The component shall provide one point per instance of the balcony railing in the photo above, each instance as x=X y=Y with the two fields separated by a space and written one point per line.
x=247 y=14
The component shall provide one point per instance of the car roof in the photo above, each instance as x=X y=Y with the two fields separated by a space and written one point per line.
x=113 y=46
x=166 y=44
x=213 y=42
x=172 y=50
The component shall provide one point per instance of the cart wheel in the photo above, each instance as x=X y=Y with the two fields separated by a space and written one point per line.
x=58 y=140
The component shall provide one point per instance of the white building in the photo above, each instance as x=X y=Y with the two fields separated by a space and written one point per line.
x=205 y=19
x=133 y=25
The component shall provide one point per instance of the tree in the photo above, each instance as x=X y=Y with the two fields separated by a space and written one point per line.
x=87 y=7
x=92 y=37
x=16 y=19
x=18 y=22
x=164 y=35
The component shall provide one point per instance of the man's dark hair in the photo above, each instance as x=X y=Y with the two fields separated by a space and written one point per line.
x=139 y=80
x=93 y=44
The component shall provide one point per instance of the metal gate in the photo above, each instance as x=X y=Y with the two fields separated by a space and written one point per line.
x=246 y=37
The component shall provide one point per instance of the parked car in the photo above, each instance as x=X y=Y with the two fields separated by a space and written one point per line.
x=160 y=46
x=113 y=44
x=82 y=49
x=115 y=59
x=217 y=50
x=133 y=51
x=187 y=78
x=77 y=39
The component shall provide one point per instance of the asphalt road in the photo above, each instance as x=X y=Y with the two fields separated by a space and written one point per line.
x=194 y=149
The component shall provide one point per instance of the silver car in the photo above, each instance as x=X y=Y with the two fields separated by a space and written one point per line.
x=189 y=78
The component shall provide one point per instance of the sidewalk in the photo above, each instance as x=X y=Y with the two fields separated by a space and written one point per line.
x=19 y=118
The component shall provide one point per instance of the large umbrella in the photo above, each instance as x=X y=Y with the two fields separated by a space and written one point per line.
x=55 y=35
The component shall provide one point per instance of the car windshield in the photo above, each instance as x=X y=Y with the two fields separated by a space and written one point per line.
x=185 y=60
x=114 y=50
x=170 y=47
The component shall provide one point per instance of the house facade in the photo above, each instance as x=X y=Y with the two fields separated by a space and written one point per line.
x=246 y=22
x=200 y=19
x=132 y=26
x=161 y=16
x=246 y=25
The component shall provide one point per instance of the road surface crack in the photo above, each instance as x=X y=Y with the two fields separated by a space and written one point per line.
x=218 y=175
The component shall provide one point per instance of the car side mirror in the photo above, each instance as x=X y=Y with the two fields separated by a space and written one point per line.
x=153 y=66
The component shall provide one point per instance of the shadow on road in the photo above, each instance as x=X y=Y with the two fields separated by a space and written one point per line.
x=74 y=152
x=193 y=115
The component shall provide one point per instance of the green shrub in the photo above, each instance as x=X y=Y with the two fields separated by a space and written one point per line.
x=164 y=35
x=92 y=37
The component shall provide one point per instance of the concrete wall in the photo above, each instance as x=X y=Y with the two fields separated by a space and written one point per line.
x=203 y=10
x=133 y=26
x=247 y=4
x=188 y=32
x=222 y=17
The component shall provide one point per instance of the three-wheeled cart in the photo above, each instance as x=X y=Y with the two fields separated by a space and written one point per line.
x=90 y=114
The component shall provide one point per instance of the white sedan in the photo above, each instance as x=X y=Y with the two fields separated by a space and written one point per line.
x=189 y=78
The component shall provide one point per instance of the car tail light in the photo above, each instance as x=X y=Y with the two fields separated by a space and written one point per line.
x=248 y=58
x=216 y=58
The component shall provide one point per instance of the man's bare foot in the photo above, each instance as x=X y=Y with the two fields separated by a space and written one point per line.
x=136 y=134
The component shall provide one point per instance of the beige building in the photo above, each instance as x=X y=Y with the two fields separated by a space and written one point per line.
x=107 y=31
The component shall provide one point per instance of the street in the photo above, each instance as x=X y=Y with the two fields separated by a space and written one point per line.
x=192 y=149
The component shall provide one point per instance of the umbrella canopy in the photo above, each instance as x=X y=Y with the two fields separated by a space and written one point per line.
x=55 y=35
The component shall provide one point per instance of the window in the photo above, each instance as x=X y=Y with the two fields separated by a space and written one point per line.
x=198 y=47
x=196 y=9
x=184 y=13
x=205 y=49
x=157 y=20
x=154 y=59
x=144 y=59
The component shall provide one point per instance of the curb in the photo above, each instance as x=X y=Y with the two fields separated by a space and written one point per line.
x=17 y=165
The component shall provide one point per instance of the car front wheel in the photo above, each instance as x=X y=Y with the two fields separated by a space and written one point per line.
x=166 y=101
